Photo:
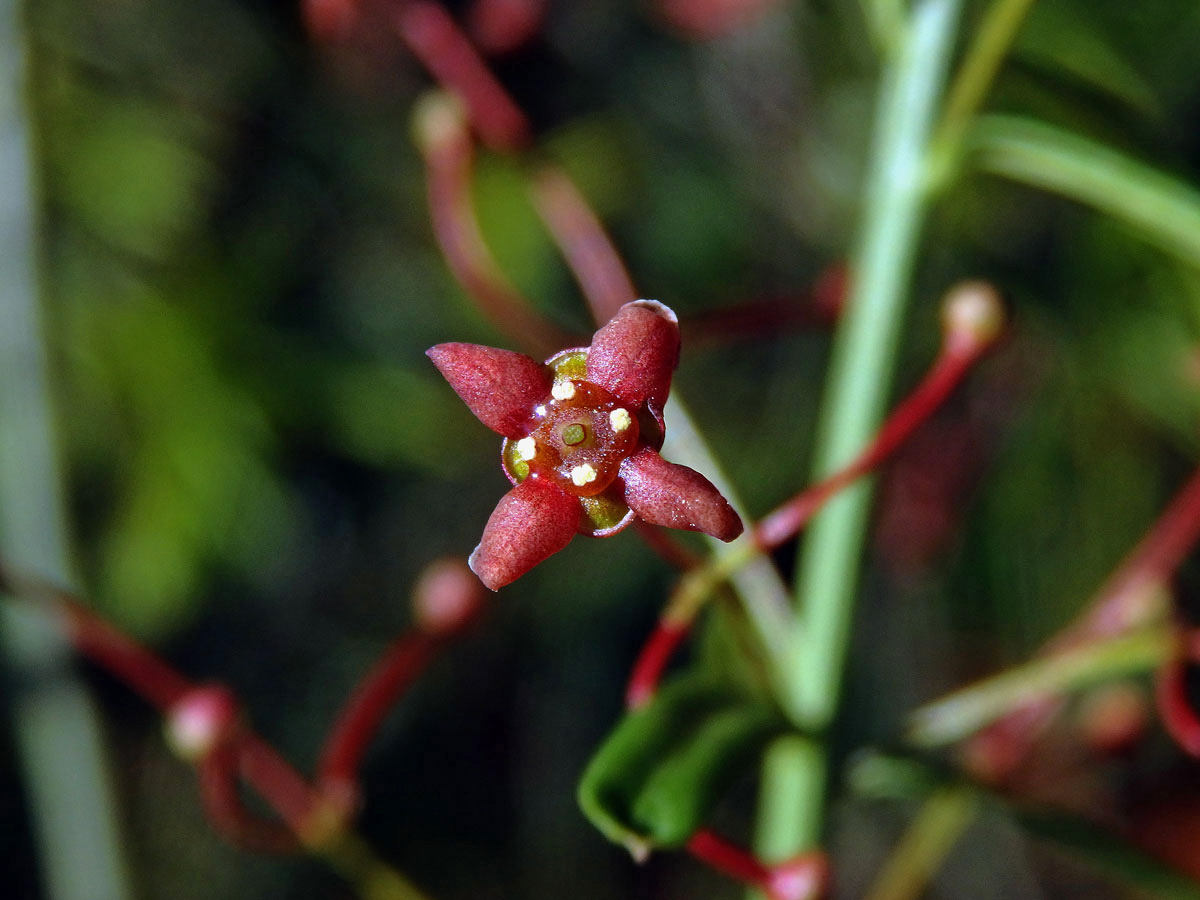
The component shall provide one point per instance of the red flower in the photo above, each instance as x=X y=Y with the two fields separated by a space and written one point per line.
x=581 y=438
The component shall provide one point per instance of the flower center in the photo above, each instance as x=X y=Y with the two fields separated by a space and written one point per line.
x=580 y=437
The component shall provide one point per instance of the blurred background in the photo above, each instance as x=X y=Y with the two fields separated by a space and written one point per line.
x=237 y=281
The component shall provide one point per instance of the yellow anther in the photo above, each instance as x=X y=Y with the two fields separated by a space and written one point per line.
x=620 y=419
x=562 y=390
x=582 y=475
x=526 y=449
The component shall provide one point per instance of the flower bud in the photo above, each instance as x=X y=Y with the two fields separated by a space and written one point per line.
x=446 y=596
x=438 y=120
x=972 y=316
x=200 y=721
x=802 y=878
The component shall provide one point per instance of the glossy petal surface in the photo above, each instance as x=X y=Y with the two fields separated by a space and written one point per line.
x=635 y=354
x=675 y=496
x=531 y=522
x=499 y=386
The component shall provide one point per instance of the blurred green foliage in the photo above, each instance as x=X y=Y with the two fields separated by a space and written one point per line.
x=241 y=281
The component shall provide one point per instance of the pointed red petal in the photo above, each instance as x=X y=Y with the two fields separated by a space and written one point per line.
x=531 y=522
x=634 y=355
x=501 y=387
x=664 y=493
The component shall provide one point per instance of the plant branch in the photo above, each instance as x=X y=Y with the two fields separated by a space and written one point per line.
x=584 y=243
x=1130 y=596
x=965 y=711
x=938 y=826
x=860 y=376
x=436 y=40
x=993 y=39
x=449 y=154
x=222 y=747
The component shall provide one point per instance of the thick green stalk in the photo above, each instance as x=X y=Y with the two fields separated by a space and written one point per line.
x=858 y=387
x=54 y=725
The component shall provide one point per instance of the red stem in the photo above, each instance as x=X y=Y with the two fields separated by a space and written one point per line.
x=726 y=857
x=143 y=672
x=501 y=26
x=789 y=519
x=1126 y=598
x=370 y=703
x=218 y=777
x=667 y=547
x=584 y=243
x=436 y=40
x=242 y=753
x=449 y=161
x=656 y=652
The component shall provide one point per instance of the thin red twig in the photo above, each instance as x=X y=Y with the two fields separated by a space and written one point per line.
x=727 y=857
x=648 y=670
x=370 y=703
x=672 y=551
x=436 y=40
x=789 y=519
x=217 y=773
x=1125 y=599
x=449 y=159
x=501 y=26
x=820 y=307
x=584 y=243
x=804 y=877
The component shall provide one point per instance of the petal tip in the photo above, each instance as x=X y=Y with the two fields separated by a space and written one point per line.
x=485 y=574
x=657 y=306
x=499 y=386
x=531 y=523
x=635 y=354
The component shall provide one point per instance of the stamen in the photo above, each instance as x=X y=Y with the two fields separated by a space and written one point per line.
x=563 y=390
x=526 y=449
x=582 y=475
x=620 y=419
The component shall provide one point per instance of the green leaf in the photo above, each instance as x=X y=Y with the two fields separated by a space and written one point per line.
x=663 y=768
x=1087 y=57
x=1112 y=856
x=1162 y=209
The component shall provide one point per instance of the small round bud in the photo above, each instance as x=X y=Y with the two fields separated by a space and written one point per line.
x=446 y=596
x=802 y=878
x=972 y=315
x=438 y=119
x=200 y=721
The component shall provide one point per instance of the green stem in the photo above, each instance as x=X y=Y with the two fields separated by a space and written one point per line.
x=966 y=711
x=55 y=727
x=762 y=592
x=859 y=382
x=942 y=820
x=992 y=42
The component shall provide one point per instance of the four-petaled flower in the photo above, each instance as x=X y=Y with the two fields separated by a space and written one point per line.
x=581 y=439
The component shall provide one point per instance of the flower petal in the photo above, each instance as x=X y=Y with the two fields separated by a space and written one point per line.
x=664 y=493
x=500 y=387
x=634 y=355
x=531 y=522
